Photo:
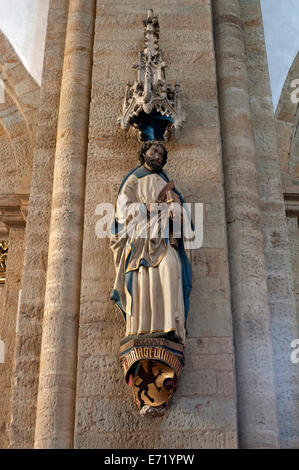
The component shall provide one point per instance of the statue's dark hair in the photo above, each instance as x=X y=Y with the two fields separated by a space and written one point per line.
x=146 y=146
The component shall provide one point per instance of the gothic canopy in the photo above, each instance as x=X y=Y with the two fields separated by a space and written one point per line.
x=151 y=105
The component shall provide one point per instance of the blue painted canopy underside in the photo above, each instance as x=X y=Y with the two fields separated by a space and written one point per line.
x=153 y=125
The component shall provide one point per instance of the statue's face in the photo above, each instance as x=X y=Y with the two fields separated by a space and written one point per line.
x=154 y=157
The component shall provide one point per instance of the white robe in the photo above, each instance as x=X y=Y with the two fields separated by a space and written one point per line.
x=155 y=303
x=158 y=304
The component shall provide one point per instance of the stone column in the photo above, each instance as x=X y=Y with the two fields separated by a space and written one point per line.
x=57 y=379
x=277 y=251
x=257 y=414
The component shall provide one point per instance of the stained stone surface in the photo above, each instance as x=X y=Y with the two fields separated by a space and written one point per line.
x=251 y=318
x=18 y=122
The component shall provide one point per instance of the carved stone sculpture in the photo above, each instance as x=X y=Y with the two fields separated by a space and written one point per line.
x=153 y=280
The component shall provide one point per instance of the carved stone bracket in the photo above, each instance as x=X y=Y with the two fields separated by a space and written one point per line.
x=151 y=102
x=152 y=367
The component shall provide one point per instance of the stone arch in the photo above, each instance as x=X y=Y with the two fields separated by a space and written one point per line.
x=286 y=109
x=18 y=124
x=19 y=84
x=287 y=125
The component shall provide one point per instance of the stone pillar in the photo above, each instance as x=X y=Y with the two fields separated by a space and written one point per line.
x=257 y=414
x=57 y=379
x=277 y=251
x=27 y=355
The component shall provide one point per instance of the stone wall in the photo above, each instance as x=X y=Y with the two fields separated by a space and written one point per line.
x=203 y=413
x=232 y=167
x=27 y=359
x=251 y=318
x=18 y=122
x=287 y=138
x=58 y=356
x=287 y=115
x=9 y=298
x=276 y=245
